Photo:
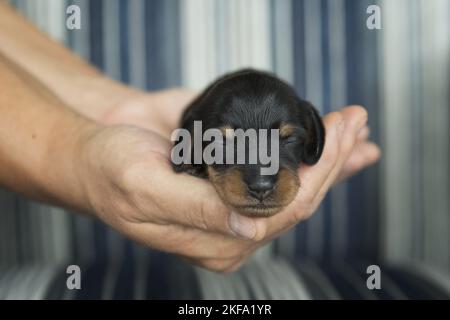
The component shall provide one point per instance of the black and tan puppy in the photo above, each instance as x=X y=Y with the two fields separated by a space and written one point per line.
x=250 y=99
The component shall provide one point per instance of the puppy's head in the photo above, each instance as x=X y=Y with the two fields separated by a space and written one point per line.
x=255 y=100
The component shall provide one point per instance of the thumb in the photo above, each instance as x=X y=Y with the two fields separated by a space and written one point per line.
x=193 y=202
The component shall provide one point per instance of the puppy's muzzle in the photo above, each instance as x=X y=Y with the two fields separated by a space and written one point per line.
x=260 y=187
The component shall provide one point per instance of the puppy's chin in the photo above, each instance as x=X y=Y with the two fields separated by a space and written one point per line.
x=258 y=211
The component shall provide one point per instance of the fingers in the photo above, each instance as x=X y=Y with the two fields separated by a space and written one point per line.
x=355 y=118
x=188 y=242
x=363 y=155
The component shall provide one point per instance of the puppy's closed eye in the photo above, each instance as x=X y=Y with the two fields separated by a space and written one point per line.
x=291 y=134
x=255 y=100
x=291 y=140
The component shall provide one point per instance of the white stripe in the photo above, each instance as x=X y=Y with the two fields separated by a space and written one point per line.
x=56 y=24
x=222 y=16
x=283 y=44
x=396 y=143
x=260 y=37
x=197 y=34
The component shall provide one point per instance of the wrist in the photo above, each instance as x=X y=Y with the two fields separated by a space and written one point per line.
x=62 y=167
x=95 y=96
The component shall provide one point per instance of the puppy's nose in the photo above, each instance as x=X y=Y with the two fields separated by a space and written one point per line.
x=261 y=188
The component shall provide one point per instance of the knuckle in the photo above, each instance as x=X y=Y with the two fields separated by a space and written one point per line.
x=347 y=143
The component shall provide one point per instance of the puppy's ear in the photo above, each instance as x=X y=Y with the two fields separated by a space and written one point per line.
x=315 y=133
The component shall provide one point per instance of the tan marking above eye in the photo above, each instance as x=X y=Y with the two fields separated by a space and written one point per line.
x=226 y=131
x=286 y=129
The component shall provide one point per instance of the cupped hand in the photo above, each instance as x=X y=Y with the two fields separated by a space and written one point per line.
x=127 y=177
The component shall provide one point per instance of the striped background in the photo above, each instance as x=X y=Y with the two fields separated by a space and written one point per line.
x=395 y=214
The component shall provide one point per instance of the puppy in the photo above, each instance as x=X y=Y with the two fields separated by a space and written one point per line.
x=250 y=99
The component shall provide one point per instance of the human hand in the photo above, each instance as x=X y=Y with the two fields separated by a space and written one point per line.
x=131 y=186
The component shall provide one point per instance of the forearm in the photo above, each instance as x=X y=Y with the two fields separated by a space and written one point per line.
x=39 y=140
x=75 y=82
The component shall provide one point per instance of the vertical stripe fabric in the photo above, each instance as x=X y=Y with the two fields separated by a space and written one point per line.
x=395 y=214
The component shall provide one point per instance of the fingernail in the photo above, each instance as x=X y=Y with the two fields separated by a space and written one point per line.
x=242 y=226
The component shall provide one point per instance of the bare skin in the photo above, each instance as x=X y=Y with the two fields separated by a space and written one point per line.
x=72 y=137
